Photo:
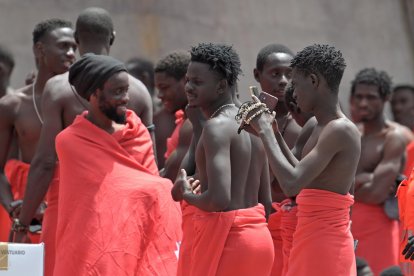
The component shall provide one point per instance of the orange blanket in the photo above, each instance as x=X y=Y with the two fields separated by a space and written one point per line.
x=405 y=195
x=275 y=231
x=322 y=243
x=409 y=163
x=172 y=142
x=232 y=243
x=16 y=172
x=187 y=242
x=49 y=223
x=288 y=224
x=116 y=215
x=375 y=233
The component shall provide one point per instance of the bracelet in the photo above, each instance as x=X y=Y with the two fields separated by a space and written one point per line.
x=18 y=227
x=151 y=127
x=256 y=114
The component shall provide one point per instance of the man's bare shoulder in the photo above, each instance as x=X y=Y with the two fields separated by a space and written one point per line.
x=405 y=132
x=218 y=129
x=137 y=87
x=395 y=134
x=12 y=101
x=58 y=87
x=342 y=131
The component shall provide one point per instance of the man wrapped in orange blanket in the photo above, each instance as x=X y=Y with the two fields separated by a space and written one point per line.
x=115 y=213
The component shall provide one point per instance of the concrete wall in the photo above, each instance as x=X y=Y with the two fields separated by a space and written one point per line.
x=369 y=32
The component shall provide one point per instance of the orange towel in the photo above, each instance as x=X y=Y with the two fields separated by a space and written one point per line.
x=405 y=196
x=409 y=163
x=187 y=242
x=375 y=233
x=49 y=223
x=16 y=172
x=172 y=142
x=116 y=215
x=288 y=224
x=274 y=226
x=231 y=243
x=322 y=243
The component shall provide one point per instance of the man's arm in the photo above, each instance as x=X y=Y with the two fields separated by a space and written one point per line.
x=217 y=155
x=172 y=165
x=6 y=135
x=293 y=179
x=265 y=195
x=375 y=188
x=43 y=164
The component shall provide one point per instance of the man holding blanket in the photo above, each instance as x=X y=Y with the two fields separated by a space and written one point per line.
x=115 y=213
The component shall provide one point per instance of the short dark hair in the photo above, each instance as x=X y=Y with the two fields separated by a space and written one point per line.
x=404 y=87
x=47 y=26
x=174 y=64
x=6 y=57
x=268 y=50
x=222 y=58
x=138 y=65
x=322 y=60
x=371 y=76
x=95 y=24
x=289 y=99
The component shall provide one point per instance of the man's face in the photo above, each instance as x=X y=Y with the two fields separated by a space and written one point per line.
x=303 y=90
x=275 y=75
x=113 y=98
x=58 y=50
x=170 y=91
x=367 y=102
x=201 y=84
x=402 y=104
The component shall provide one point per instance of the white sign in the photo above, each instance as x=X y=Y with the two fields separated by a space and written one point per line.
x=21 y=259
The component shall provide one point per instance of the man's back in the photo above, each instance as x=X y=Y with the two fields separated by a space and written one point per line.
x=19 y=114
x=339 y=133
x=242 y=156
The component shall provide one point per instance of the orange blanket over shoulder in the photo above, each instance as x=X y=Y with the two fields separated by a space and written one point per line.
x=16 y=172
x=405 y=196
x=375 y=233
x=172 y=142
x=116 y=215
x=231 y=243
x=322 y=243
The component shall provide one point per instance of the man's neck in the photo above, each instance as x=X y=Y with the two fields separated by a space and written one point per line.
x=42 y=77
x=103 y=122
x=281 y=110
x=210 y=109
x=95 y=49
x=374 y=126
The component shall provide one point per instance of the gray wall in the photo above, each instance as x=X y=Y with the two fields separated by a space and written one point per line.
x=369 y=32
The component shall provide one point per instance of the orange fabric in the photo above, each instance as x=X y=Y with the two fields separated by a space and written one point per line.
x=116 y=215
x=409 y=163
x=231 y=243
x=322 y=243
x=49 y=223
x=275 y=231
x=375 y=233
x=405 y=196
x=288 y=224
x=172 y=142
x=16 y=172
x=187 y=242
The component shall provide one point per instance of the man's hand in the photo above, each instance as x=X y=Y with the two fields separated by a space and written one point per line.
x=15 y=207
x=195 y=116
x=408 y=251
x=183 y=185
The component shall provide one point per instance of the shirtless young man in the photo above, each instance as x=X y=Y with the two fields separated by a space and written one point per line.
x=233 y=174
x=383 y=149
x=94 y=34
x=324 y=176
x=54 y=47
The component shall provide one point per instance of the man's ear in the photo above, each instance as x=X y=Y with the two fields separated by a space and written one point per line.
x=256 y=74
x=38 y=49
x=112 y=38
x=222 y=86
x=314 y=80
